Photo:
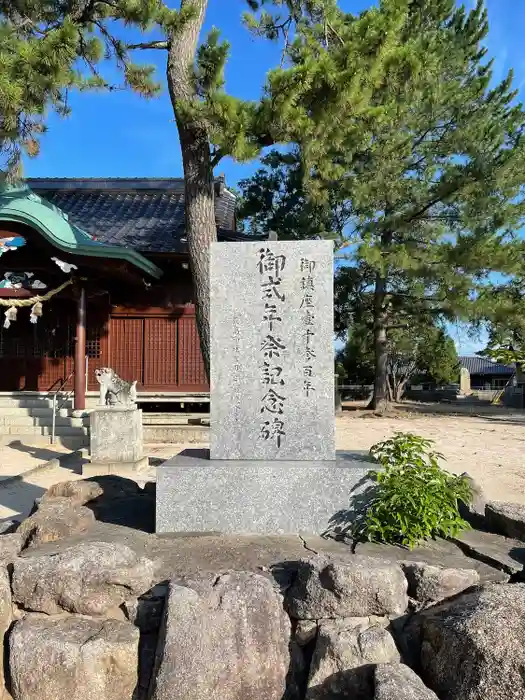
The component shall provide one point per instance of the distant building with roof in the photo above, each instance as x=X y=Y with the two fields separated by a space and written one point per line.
x=486 y=374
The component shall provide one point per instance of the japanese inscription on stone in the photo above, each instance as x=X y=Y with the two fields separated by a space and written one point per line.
x=271 y=268
x=272 y=374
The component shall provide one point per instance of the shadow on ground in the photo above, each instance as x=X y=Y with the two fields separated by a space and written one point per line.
x=45 y=454
x=18 y=492
x=124 y=503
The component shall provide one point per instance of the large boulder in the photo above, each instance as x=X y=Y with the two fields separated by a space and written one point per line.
x=10 y=546
x=474 y=512
x=88 y=578
x=54 y=520
x=6 y=617
x=430 y=584
x=343 y=661
x=473 y=647
x=224 y=640
x=399 y=682
x=73 y=658
x=356 y=587
x=506 y=519
x=78 y=492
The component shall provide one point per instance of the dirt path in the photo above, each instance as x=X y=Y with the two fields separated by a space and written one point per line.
x=491 y=448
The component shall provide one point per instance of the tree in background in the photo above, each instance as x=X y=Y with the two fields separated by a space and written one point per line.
x=430 y=185
x=424 y=351
x=505 y=321
x=331 y=64
x=275 y=198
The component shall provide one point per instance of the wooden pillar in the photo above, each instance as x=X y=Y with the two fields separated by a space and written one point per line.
x=80 y=353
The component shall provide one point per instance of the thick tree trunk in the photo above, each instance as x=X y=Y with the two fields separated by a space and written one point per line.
x=201 y=229
x=379 y=401
x=380 y=397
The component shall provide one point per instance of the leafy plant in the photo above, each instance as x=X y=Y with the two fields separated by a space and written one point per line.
x=413 y=498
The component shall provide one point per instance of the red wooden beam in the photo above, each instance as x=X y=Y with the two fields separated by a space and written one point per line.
x=80 y=353
x=18 y=293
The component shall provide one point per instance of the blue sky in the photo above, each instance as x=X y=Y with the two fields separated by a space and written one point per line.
x=122 y=135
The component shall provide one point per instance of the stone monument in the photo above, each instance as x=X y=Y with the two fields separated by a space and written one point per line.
x=272 y=465
x=272 y=358
x=464 y=382
x=115 y=442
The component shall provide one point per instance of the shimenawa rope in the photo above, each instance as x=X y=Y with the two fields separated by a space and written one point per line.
x=35 y=302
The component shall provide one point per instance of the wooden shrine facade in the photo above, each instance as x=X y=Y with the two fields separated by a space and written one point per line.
x=160 y=351
x=129 y=302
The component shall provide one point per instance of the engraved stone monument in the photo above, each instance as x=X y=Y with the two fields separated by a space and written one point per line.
x=272 y=359
x=272 y=465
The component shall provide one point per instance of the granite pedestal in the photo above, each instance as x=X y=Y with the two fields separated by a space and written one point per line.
x=116 y=444
x=196 y=494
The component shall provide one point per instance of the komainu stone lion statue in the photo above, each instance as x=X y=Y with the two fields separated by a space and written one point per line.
x=114 y=390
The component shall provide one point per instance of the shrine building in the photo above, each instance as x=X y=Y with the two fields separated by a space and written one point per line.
x=94 y=273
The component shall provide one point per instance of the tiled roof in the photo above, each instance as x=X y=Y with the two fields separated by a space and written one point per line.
x=482 y=365
x=144 y=214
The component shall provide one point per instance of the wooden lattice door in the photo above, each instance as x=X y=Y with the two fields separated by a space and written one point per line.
x=160 y=354
x=127 y=348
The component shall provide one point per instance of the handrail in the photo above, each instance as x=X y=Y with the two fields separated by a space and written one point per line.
x=55 y=394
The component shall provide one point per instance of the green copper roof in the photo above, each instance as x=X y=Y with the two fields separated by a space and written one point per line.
x=19 y=203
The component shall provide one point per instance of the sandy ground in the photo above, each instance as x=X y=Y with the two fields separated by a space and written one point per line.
x=16 y=457
x=488 y=443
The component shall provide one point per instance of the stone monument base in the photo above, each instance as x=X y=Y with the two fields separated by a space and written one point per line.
x=196 y=494
x=121 y=468
x=115 y=444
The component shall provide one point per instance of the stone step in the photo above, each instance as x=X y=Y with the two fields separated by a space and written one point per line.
x=45 y=403
x=43 y=399
x=167 y=419
x=69 y=431
x=46 y=420
x=31 y=440
x=35 y=412
x=177 y=434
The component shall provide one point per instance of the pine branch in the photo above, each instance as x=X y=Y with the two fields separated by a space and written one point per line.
x=216 y=156
x=338 y=36
x=160 y=45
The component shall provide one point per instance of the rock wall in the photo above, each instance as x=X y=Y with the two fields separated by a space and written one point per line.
x=86 y=615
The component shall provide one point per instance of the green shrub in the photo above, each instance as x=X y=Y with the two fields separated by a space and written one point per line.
x=412 y=499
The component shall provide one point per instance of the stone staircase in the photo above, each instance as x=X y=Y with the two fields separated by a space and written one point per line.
x=28 y=417
x=176 y=428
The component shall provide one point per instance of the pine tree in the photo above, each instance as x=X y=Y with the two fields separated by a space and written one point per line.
x=502 y=314
x=331 y=64
x=422 y=350
x=431 y=181
x=47 y=48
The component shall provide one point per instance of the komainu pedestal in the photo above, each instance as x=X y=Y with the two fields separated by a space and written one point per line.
x=116 y=444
